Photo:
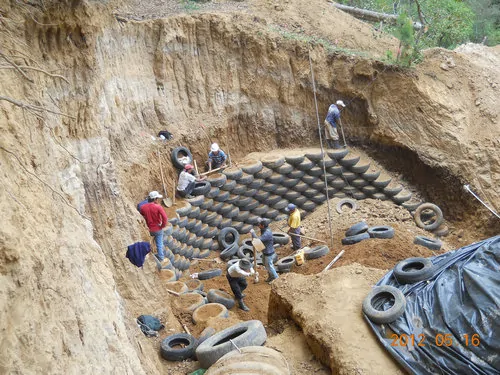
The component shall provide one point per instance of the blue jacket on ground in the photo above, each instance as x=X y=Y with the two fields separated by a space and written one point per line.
x=137 y=252
x=333 y=115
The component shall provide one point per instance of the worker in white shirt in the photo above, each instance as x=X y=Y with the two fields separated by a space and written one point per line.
x=236 y=275
x=187 y=182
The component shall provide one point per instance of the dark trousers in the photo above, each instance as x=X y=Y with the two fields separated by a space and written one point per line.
x=238 y=285
x=295 y=239
x=188 y=190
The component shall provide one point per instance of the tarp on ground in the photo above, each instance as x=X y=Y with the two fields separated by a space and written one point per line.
x=454 y=317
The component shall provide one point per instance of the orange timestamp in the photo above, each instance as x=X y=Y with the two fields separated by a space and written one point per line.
x=440 y=339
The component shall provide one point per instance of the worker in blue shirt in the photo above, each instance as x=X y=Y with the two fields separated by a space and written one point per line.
x=332 y=117
x=216 y=158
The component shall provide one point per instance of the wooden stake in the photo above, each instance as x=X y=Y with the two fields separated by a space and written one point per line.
x=186 y=329
x=299 y=235
x=196 y=168
x=212 y=171
x=173 y=193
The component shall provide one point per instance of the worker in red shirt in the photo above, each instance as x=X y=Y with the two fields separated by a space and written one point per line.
x=156 y=219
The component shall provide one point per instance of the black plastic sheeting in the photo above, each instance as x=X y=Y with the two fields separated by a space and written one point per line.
x=462 y=298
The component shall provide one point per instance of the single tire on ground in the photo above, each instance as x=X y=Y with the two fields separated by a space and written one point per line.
x=228 y=237
x=205 y=275
x=381 y=231
x=373 y=302
x=249 y=333
x=430 y=243
x=346 y=202
x=428 y=206
x=281 y=238
x=178 y=347
x=178 y=153
x=351 y=240
x=357 y=229
x=219 y=296
x=316 y=252
x=208 y=311
x=413 y=270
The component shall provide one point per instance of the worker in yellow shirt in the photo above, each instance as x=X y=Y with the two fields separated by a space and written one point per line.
x=294 y=224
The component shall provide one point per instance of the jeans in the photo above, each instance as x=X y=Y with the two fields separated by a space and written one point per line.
x=268 y=263
x=159 y=243
x=238 y=285
x=295 y=239
x=188 y=190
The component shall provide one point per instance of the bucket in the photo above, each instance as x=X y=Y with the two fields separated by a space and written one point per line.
x=299 y=257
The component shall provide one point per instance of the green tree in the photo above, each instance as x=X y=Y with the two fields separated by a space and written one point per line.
x=486 y=21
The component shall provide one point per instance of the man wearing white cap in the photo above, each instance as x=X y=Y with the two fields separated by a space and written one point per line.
x=216 y=157
x=156 y=219
x=331 y=133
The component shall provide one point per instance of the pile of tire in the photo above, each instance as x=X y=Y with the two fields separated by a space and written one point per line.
x=361 y=231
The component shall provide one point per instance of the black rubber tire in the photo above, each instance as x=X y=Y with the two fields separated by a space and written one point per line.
x=316 y=171
x=423 y=270
x=232 y=198
x=233 y=213
x=219 y=296
x=309 y=193
x=348 y=176
x=381 y=182
x=314 y=156
x=208 y=274
x=256 y=183
x=225 y=223
x=271 y=214
x=349 y=161
x=217 y=179
x=228 y=186
x=246 y=228
x=305 y=165
x=263 y=173
x=358 y=183
x=233 y=173
x=280 y=205
x=290 y=182
x=194 y=213
x=411 y=206
x=269 y=187
x=430 y=243
x=308 y=206
x=214 y=191
x=275 y=178
x=175 y=156
x=245 y=251
x=249 y=333
x=327 y=163
x=381 y=231
x=318 y=198
x=260 y=210
x=245 y=179
x=194 y=284
x=250 y=193
x=239 y=189
x=197 y=227
x=173 y=220
x=392 y=191
x=318 y=185
x=380 y=196
x=316 y=252
x=222 y=196
x=299 y=201
x=336 y=170
x=252 y=168
x=281 y=238
x=226 y=208
x=369 y=190
x=217 y=221
x=184 y=211
x=360 y=168
x=310 y=179
x=254 y=203
x=252 y=219
x=358 y=195
x=291 y=195
x=296 y=174
x=285 y=264
x=272 y=199
x=301 y=187
x=376 y=296
x=433 y=225
x=357 y=228
x=228 y=252
x=284 y=169
x=201 y=188
x=402 y=197
x=338 y=183
x=338 y=154
x=242 y=216
x=262 y=195
x=442 y=231
x=203 y=214
x=294 y=159
x=237 y=225
x=243 y=202
x=171 y=349
x=351 y=240
x=370 y=176
x=350 y=202
x=281 y=190
x=273 y=162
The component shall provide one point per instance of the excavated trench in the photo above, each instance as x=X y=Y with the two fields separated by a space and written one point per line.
x=208 y=77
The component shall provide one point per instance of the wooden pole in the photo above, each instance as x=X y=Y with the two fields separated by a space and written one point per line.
x=196 y=168
x=212 y=171
x=299 y=235
x=173 y=193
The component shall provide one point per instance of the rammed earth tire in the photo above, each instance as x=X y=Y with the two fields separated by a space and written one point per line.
x=432 y=207
x=430 y=243
x=178 y=347
x=381 y=231
x=217 y=179
x=294 y=159
x=228 y=252
x=208 y=311
x=413 y=270
x=357 y=229
x=218 y=296
x=177 y=154
x=252 y=167
x=249 y=333
x=375 y=298
x=233 y=173
x=273 y=162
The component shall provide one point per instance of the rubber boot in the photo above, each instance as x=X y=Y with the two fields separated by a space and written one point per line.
x=336 y=144
x=242 y=305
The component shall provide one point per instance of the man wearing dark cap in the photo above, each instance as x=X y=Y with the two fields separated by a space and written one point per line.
x=294 y=225
x=266 y=236
x=236 y=275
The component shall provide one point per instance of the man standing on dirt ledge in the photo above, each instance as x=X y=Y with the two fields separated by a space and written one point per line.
x=294 y=224
x=236 y=276
x=156 y=219
x=216 y=157
x=266 y=236
x=331 y=133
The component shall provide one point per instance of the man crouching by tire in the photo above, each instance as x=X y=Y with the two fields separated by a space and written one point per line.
x=236 y=275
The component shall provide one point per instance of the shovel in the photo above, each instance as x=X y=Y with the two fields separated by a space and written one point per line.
x=257 y=246
x=166 y=201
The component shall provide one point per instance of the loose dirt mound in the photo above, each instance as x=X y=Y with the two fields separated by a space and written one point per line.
x=328 y=308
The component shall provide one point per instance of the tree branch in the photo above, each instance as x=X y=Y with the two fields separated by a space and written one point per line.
x=16 y=67
x=38 y=70
x=34 y=108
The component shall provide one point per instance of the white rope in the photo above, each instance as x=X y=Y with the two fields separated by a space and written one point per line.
x=322 y=151
x=467 y=187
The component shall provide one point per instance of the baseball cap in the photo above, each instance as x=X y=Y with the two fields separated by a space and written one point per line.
x=290 y=207
x=215 y=147
x=187 y=167
x=154 y=195
x=340 y=103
